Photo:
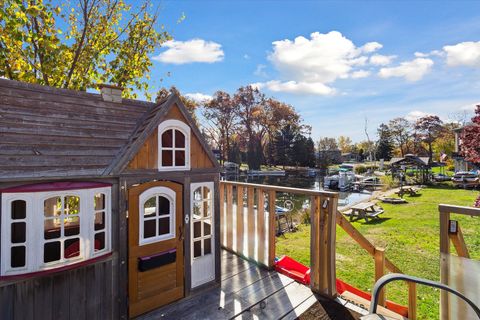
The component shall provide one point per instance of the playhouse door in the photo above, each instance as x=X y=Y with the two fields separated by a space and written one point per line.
x=155 y=262
x=202 y=233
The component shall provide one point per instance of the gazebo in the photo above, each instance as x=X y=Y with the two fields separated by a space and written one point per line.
x=419 y=165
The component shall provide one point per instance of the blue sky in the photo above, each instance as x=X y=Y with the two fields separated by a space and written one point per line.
x=337 y=63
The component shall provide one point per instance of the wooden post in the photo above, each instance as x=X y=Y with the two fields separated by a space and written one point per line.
x=459 y=243
x=322 y=246
x=251 y=222
x=412 y=301
x=261 y=226
x=229 y=221
x=379 y=272
x=239 y=227
x=444 y=262
x=271 y=228
x=222 y=214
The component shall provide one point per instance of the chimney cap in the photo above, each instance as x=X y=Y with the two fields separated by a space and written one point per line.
x=110 y=86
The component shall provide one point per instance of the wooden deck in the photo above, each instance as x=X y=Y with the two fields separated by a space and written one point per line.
x=250 y=292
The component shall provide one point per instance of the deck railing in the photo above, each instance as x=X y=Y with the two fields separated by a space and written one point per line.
x=450 y=232
x=247 y=213
x=250 y=233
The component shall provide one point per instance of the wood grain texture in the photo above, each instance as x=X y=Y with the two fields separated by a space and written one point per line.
x=379 y=258
x=251 y=222
x=239 y=228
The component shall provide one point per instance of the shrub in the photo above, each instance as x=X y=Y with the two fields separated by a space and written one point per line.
x=477 y=202
x=388 y=182
x=451 y=168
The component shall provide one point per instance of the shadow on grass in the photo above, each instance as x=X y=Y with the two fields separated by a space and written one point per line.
x=376 y=221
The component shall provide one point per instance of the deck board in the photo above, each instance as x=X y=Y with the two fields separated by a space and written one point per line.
x=246 y=292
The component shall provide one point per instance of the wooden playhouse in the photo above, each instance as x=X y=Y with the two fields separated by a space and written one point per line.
x=108 y=207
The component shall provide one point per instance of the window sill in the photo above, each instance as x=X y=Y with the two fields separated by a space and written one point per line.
x=79 y=264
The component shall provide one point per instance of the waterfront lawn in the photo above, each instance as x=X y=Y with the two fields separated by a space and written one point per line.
x=410 y=235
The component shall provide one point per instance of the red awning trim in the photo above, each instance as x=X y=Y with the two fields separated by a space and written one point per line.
x=55 y=186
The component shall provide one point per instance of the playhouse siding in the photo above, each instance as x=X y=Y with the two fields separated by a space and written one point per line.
x=147 y=157
x=89 y=292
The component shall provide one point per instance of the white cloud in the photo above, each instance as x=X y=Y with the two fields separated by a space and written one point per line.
x=199 y=97
x=371 y=47
x=316 y=88
x=412 y=70
x=360 y=74
x=260 y=71
x=381 y=60
x=195 y=50
x=464 y=53
x=416 y=114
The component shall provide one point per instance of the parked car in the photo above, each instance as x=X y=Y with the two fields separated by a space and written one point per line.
x=466 y=180
x=440 y=177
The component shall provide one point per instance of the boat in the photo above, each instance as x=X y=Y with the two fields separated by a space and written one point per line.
x=343 y=180
x=301 y=273
x=465 y=179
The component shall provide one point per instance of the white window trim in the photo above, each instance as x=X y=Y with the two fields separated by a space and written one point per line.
x=35 y=230
x=144 y=196
x=185 y=129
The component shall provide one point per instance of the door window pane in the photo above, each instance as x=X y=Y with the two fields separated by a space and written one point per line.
x=206 y=209
x=163 y=206
x=167 y=160
x=149 y=228
x=179 y=139
x=197 y=248
x=163 y=226
x=150 y=208
x=206 y=193
x=17 y=257
x=197 y=194
x=167 y=139
x=71 y=248
x=197 y=231
x=206 y=228
x=207 y=246
x=197 y=209
x=19 y=209
x=51 y=251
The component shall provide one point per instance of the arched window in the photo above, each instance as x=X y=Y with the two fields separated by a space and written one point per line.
x=173 y=145
x=157 y=215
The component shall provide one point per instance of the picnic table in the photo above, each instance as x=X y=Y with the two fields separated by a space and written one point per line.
x=412 y=191
x=364 y=210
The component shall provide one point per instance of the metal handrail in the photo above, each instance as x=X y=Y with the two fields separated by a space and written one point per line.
x=398 y=276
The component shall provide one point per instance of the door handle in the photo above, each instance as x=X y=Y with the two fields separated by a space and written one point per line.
x=180 y=233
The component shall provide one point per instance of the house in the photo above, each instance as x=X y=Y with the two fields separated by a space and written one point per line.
x=108 y=206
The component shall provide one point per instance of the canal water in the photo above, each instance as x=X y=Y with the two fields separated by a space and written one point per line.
x=296 y=179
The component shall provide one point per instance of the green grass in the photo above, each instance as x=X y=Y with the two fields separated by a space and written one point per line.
x=410 y=235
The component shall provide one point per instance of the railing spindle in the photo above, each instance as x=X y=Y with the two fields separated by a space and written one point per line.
x=380 y=272
x=412 y=301
x=239 y=227
x=261 y=225
x=251 y=222
x=271 y=228
x=229 y=226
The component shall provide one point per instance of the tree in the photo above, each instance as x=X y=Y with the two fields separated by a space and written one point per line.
x=222 y=112
x=104 y=42
x=189 y=103
x=284 y=143
x=327 y=147
x=345 y=144
x=429 y=128
x=385 y=144
x=470 y=147
x=250 y=102
x=400 y=129
x=445 y=142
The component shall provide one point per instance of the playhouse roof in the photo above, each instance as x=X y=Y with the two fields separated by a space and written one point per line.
x=51 y=132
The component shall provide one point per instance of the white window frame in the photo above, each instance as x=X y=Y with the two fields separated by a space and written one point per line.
x=144 y=196
x=35 y=229
x=185 y=129
x=193 y=187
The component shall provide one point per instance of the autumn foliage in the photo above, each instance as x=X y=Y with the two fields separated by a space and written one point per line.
x=471 y=139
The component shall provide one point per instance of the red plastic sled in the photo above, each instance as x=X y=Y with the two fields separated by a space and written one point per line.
x=297 y=271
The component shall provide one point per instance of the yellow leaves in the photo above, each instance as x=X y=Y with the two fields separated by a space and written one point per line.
x=33 y=11
x=58 y=10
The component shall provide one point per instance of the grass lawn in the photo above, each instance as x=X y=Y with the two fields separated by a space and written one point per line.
x=410 y=235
